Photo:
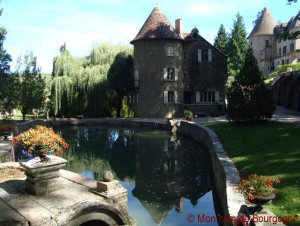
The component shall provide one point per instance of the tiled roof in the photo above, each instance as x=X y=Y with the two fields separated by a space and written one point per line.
x=157 y=26
x=265 y=24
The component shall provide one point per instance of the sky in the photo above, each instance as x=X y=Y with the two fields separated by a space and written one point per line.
x=42 y=26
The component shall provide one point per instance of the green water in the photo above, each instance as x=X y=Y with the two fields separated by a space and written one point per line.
x=168 y=178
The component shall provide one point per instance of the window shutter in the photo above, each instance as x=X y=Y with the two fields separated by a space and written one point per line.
x=217 y=96
x=165 y=73
x=175 y=97
x=197 y=96
x=199 y=55
x=176 y=74
x=165 y=97
x=209 y=55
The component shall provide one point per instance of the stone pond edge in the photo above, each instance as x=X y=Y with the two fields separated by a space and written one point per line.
x=226 y=175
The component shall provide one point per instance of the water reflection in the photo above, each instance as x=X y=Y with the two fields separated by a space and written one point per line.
x=166 y=176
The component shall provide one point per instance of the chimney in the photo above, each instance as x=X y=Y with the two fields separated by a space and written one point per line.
x=179 y=25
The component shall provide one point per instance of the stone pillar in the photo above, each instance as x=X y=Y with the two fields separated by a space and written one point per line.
x=115 y=194
x=43 y=177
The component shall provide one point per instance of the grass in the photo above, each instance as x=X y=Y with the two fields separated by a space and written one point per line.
x=271 y=149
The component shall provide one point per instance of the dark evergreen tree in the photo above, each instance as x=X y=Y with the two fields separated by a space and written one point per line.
x=120 y=77
x=238 y=46
x=31 y=85
x=248 y=97
x=222 y=40
x=7 y=82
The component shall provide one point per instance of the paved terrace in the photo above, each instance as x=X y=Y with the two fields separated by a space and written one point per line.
x=76 y=203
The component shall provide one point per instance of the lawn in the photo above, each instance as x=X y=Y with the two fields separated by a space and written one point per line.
x=271 y=149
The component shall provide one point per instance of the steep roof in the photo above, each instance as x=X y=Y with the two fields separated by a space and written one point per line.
x=294 y=21
x=265 y=24
x=157 y=26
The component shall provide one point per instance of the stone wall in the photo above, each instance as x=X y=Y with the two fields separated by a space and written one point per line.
x=225 y=174
x=286 y=90
x=150 y=59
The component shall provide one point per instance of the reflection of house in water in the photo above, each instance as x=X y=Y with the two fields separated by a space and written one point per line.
x=166 y=173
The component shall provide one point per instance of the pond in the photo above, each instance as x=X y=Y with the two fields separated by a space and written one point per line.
x=168 y=178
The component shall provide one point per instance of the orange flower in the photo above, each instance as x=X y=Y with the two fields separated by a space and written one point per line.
x=41 y=138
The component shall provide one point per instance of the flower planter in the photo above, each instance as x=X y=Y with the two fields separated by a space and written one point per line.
x=43 y=177
x=262 y=199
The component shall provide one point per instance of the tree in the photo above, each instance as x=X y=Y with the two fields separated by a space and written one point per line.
x=222 y=40
x=31 y=85
x=120 y=77
x=7 y=82
x=238 y=46
x=248 y=97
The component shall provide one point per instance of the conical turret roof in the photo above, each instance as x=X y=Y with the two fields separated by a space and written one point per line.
x=294 y=21
x=265 y=24
x=157 y=26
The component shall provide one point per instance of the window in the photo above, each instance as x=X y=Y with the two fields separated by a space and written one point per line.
x=292 y=47
x=204 y=55
x=287 y=61
x=171 y=74
x=284 y=50
x=282 y=62
x=207 y=96
x=267 y=43
x=279 y=52
x=184 y=56
x=185 y=74
x=136 y=79
x=170 y=97
x=279 y=40
x=170 y=51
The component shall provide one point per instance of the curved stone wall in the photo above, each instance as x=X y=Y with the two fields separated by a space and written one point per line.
x=226 y=176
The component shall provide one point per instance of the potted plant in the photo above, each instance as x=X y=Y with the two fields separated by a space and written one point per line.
x=188 y=115
x=258 y=188
x=41 y=140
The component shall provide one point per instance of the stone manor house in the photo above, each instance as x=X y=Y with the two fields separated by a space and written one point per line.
x=269 y=50
x=174 y=70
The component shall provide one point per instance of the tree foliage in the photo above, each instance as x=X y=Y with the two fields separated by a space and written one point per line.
x=7 y=82
x=291 y=1
x=238 y=46
x=30 y=84
x=80 y=86
x=248 y=97
x=120 y=77
x=222 y=40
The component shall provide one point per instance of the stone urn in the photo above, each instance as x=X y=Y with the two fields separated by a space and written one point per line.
x=43 y=177
x=262 y=199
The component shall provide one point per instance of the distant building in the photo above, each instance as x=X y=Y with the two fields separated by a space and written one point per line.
x=269 y=50
x=174 y=70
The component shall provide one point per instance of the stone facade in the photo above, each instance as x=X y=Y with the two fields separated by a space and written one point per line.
x=269 y=50
x=176 y=70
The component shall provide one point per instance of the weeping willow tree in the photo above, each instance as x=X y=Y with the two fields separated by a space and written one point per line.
x=80 y=85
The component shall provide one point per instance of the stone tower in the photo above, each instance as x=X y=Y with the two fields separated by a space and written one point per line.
x=157 y=65
x=263 y=42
